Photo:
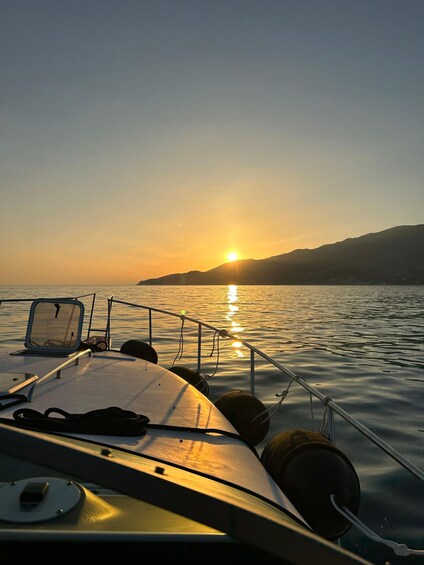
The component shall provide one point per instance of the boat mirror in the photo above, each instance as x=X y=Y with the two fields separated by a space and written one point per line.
x=54 y=326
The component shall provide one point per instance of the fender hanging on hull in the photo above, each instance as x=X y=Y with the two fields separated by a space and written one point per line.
x=309 y=469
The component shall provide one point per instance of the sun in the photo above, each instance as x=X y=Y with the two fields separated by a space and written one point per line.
x=232 y=256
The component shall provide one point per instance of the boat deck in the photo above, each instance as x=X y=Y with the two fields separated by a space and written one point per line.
x=162 y=396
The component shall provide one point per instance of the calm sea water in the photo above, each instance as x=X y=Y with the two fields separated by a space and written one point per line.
x=363 y=346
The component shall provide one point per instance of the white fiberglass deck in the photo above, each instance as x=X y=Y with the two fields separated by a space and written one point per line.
x=111 y=379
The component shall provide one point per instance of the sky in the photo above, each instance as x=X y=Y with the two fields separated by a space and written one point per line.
x=140 y=138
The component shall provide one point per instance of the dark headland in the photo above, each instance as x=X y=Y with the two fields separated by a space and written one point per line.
x=392 y=256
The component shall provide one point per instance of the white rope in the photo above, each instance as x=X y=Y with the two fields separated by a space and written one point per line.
x=324 y=423
x=180 y=343
x=216 y=336
x=266 y=414
x=312 y=410
x=400 y=549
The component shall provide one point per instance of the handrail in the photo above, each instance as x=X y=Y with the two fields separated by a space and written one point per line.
x=57 y=370
x=326 y=401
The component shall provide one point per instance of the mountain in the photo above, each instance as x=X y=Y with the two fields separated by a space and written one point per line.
x=392 y=256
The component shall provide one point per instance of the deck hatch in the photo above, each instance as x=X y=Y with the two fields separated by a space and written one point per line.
x=54 y=326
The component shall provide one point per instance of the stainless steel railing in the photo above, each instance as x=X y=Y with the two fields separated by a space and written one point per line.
x=330 y=405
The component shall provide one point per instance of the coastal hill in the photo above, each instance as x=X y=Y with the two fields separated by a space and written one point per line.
x=392 y=256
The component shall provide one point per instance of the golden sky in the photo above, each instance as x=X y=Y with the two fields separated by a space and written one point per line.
x=140 y=139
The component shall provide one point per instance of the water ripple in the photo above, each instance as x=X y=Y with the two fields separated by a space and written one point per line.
x=362 y=346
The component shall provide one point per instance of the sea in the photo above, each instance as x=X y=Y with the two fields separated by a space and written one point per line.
x=361 y=346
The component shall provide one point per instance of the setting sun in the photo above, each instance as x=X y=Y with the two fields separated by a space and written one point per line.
x=232 y=256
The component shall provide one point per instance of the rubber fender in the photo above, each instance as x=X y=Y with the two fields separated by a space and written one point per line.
x=140 y=349
x=192 y=377
x=309 y=468
x=246 y=413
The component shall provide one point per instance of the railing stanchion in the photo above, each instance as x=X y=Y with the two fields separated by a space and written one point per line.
x=109 y=311
x=91 y=315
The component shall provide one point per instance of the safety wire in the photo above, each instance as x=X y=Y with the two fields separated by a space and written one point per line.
x=266 y=415
x=215 y=344
x=312 y=410
x=180 y=342
x=400 y=549
x=324 y=422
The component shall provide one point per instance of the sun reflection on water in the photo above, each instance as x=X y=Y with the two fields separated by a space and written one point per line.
x=233 y=309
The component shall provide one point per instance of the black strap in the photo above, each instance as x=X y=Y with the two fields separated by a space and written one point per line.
x=12 y=400
x=112 y=421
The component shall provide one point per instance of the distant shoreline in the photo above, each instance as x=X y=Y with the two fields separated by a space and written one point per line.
x=391 y=257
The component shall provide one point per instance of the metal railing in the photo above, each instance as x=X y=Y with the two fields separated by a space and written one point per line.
x=329 y=404
x=331 y=407
x=57 y=371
